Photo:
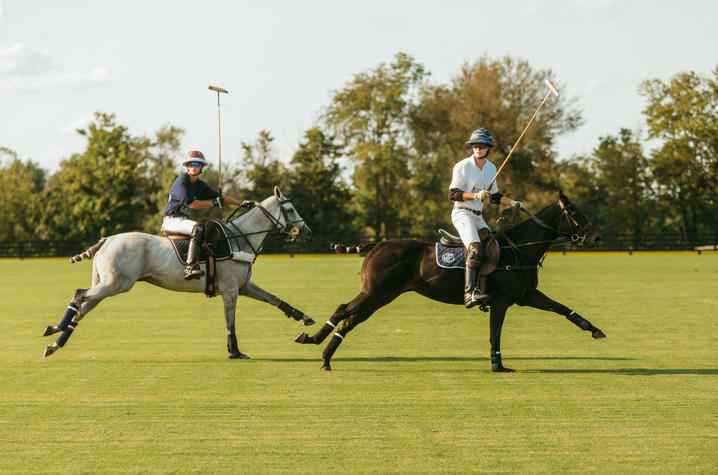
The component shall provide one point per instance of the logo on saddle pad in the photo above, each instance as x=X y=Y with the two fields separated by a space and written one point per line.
x=450 y=257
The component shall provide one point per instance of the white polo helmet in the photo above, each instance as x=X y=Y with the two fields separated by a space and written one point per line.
x=194 y=156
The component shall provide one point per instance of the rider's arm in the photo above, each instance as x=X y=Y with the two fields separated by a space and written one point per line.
x=201 y=204
x=230 y=200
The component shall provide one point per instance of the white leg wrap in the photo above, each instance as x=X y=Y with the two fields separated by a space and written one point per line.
x=330 y=324
x=337 y=334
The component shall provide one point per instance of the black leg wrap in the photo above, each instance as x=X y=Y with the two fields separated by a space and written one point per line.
x=496 y=364
x=579 y=321
x=232 y=347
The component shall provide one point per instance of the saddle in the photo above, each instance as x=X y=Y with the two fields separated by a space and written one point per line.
x=490 y=251
x=214 y=248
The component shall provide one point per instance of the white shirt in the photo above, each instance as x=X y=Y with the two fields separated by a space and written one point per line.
x=469 y=178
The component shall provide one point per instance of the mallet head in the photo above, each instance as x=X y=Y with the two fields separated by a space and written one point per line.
x=550 y=86
x=218 y=89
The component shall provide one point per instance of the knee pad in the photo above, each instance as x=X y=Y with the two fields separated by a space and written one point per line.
x=473 y=258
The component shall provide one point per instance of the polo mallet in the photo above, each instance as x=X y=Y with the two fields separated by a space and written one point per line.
x=551 y=90
x=219 y=135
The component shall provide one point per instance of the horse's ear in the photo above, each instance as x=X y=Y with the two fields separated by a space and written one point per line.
x=277 y=192
x=563 y=197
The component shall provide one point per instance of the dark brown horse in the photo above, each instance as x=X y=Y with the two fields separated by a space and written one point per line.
x=397 y=266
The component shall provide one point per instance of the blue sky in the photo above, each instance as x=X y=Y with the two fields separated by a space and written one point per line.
x=150 y=62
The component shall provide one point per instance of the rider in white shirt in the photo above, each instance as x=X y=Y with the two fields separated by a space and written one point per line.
x=468 y=190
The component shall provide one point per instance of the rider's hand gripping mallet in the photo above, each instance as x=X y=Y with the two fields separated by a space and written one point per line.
x=552 y=90
x=219 y=135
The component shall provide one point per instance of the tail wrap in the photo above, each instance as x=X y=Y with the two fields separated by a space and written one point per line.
x=362 y=249
x=89 y=253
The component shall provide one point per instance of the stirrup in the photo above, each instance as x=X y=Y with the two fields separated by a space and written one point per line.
x=475 y=298
x=193 y=272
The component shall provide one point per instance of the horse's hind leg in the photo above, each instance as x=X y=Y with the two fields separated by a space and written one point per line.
x=352 y=314
x=82 y=302
x=539 y=300
x=339 y=314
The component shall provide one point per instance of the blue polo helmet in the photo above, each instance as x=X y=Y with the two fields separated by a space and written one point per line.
x=481 y=136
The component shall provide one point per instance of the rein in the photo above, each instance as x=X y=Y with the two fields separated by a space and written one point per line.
x=576 y=236
x=288 y=231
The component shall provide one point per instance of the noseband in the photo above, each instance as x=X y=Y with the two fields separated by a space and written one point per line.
x=578 y=233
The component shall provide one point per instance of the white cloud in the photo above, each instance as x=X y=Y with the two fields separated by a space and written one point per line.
x=59 y=80
x=24 y=68
x=22 y=60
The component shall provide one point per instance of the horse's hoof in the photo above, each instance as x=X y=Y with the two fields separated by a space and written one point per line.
x=239 y=355
x=598 y=334
x=308 y=321
x=326 y=367
x=302 y=338
x=49 y=349
x=501 y=369
x=49 y=330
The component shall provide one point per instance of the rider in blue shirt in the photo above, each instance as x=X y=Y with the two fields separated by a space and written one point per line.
x=188 y=192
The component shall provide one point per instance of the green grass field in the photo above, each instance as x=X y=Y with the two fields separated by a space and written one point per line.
x=144 y=384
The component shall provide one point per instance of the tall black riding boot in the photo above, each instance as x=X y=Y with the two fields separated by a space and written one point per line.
x=192 y=270
x=472 y=293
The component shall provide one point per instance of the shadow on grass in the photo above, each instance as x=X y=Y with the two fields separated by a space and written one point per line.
x=628 y=371
x=411 y=359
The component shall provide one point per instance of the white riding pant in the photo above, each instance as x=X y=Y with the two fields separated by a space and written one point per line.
x=178 y=225
x=468 y=225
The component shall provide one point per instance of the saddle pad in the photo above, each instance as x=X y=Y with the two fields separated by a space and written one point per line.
x=450 y=257
x=221 y=252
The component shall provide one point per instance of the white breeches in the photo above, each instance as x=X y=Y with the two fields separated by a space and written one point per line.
x=178 y=225
x=468 y=225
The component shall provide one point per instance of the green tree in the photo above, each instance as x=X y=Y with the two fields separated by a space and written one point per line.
x=160 y=159
x=96 y=193
x=370 y=116
x=623 y=175
x=21 y=184
x=262 y=170
x=316 y=186
x=683 y=115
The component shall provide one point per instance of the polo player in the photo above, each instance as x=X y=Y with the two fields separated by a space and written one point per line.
x=468 y=190
x=188 y=192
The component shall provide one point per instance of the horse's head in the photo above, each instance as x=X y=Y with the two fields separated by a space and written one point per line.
x=288 y=223
x=574 y=224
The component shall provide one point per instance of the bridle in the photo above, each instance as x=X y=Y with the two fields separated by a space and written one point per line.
x=288 y=231
x=576 y=235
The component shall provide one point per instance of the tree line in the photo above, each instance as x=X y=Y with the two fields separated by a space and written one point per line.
x=379 y=159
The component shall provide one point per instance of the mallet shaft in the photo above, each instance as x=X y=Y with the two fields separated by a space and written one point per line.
x=552 y=90
x=219 y=133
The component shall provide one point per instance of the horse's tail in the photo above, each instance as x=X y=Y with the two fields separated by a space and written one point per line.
x=361 y=249
x=89 y=253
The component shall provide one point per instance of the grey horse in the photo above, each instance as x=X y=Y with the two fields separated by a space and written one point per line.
x=123 y=259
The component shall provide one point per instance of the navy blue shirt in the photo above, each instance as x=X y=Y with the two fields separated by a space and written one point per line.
x=184 y=192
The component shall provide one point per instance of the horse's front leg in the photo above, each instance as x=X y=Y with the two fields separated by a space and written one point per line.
x=254 y=291
x=496 y=322
x=229 y=299
x=539 y=300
